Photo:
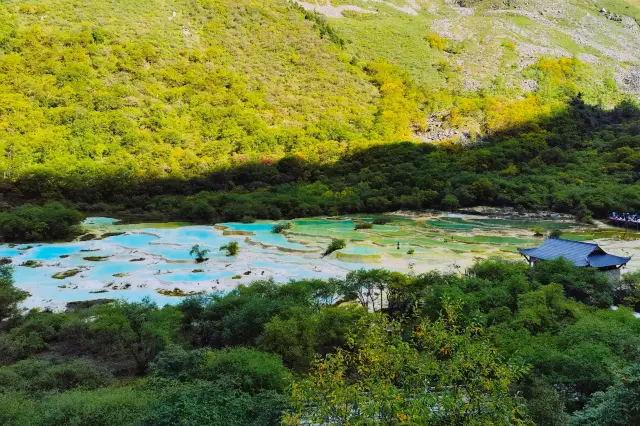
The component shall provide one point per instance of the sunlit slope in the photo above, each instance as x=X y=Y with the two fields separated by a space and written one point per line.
x=122 y=92
x=155 y=88
x=486 y=44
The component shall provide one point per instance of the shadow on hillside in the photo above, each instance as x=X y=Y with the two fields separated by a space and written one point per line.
x=582 y=160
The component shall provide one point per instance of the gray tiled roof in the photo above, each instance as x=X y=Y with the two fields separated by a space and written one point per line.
x=603 y=260
x=578 y=253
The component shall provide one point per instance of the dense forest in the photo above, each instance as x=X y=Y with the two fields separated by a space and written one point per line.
x=583 y=160
x=501 y=344
x=230 y=109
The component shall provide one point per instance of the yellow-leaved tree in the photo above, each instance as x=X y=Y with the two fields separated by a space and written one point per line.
x=445 y=372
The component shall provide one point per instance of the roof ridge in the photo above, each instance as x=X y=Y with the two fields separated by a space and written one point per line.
x=575 y=242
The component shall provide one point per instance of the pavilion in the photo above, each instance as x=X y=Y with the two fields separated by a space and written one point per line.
x=579 y=253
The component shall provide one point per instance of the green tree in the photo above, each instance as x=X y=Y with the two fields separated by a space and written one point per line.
x=446 y=374
x=450 y=202
x=279 y=228
x=372 y=288
x=120 y=406
x=618 y=405
x=545 y=310
x=10 y=297
x=232 y=248
x=296 y=339
x=545 y=405
x=199 y=253
x=238 y=317
x=138 y=330
x=205 y=403
x=586 y=285
x=49 y=222
x=334 y=245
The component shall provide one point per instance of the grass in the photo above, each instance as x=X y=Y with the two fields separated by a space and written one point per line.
x=176 y=292
x=622 y=7
x=111 y=234
x=31 y=264
x=399 y=39
x=363 y=225
x=66 y=274
x=96 y=258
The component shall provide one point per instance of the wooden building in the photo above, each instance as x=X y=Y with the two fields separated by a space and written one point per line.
x=580 y=254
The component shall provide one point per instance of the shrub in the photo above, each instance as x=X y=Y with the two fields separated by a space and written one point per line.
x=66 y=274
x=252 y=370
x=95 y=258
x=179 y=364
x=206 y=403
x=52 y=221
x=279 y=228
x=33 y=376
x=555 y=233
x=436 y=42
x=199 y=253
x=381 y=221
x=248 y=219
x=363 y=225
x=335 y=244
x=17 y=409
x=233 y=248
x=101 y=407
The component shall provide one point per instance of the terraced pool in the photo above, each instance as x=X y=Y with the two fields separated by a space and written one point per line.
x=136 y=261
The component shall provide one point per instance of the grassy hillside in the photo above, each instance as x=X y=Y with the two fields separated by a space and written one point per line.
x=477 y=34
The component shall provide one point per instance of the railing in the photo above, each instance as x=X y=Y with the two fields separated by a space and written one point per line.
x=625 y=221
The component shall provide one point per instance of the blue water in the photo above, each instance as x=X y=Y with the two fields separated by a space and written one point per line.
x=181 y=253
x=51 y=252
x=262 y=234
x=8 y=252
x=168 y=261
x=363 y=250
x=132 y=240
x=100 y=221
x=198 y=276
x=106 y=270
x=204 y=236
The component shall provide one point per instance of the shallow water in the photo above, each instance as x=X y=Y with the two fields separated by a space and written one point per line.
x=151 y=257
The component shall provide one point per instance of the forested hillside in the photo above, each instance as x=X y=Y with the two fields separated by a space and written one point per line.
x=122 y=107
x=211 y=110
x=152 y=89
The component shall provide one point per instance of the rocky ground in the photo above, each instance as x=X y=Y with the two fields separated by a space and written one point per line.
x=553 y=28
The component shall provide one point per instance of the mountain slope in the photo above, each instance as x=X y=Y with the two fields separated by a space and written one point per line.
x=168 y=87
x=106 y=96
x=399 y=30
